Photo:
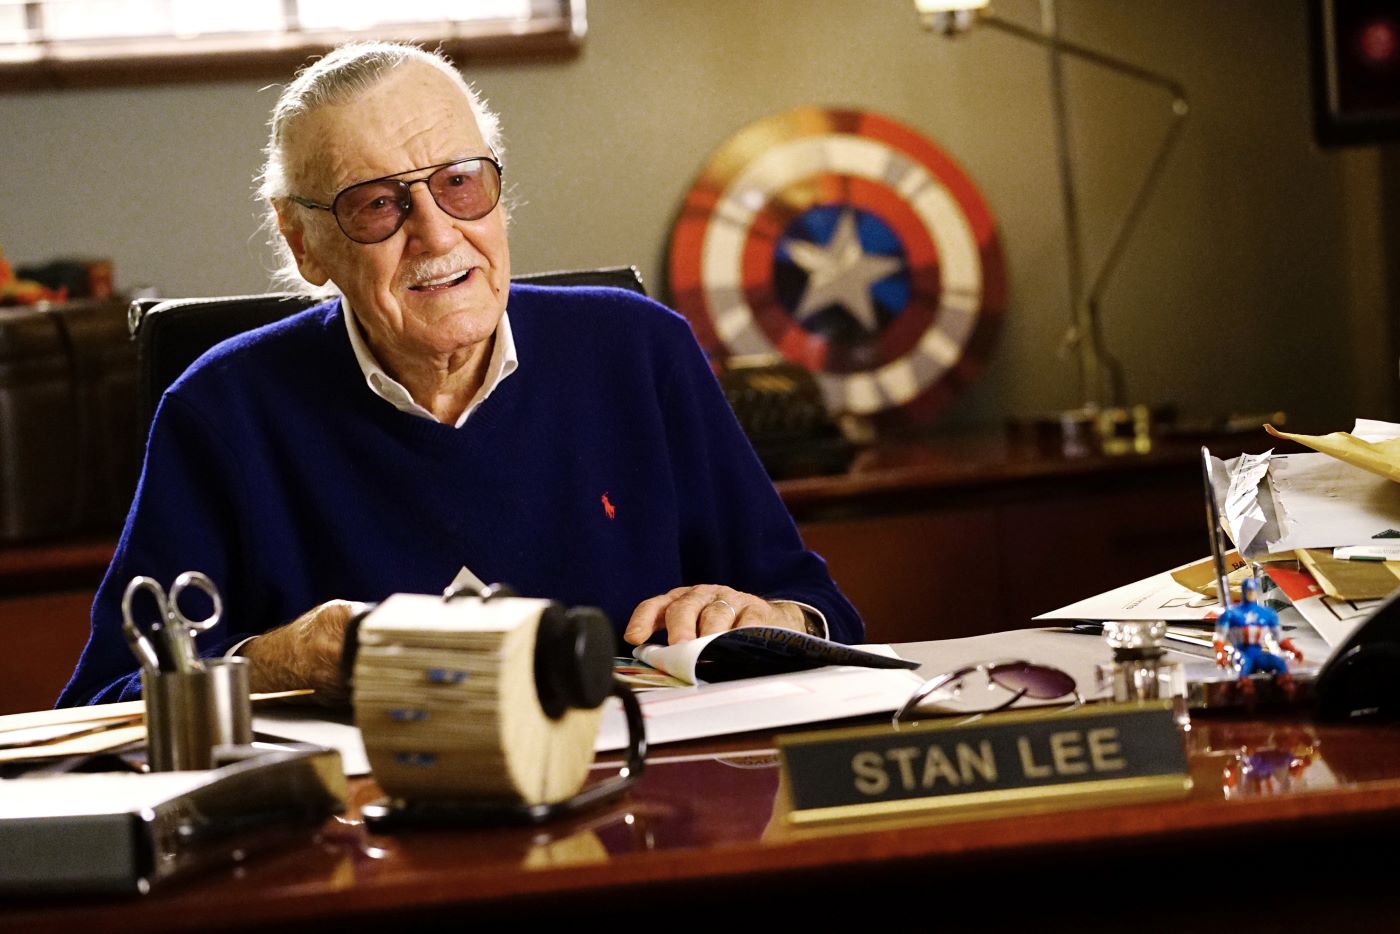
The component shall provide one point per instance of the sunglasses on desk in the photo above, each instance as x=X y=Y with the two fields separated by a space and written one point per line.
x=373 y=211
x=986 y=688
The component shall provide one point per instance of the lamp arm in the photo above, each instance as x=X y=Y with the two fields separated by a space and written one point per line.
x=1093 y=56
x=1179 y=110
x=1117 y=390
x=1134 y=212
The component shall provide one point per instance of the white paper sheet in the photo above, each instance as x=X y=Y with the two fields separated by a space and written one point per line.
x=1155 y=597
x=1327 y=503
x=321 y=727
x=1244 y=516
x=466 y=580
x=677 y=660
x=1374 y=430
x=1334 y=620
x=675 y=714
x=36 y=735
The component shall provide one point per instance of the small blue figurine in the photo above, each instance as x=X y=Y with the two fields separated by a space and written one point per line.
x=1254 y=632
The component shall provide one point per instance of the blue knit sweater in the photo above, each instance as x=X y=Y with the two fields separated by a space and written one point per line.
x=275 y=470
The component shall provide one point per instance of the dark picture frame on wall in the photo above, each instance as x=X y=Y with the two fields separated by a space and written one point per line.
x=1355 y=51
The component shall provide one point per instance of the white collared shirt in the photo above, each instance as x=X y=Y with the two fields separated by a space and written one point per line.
x=503 y=362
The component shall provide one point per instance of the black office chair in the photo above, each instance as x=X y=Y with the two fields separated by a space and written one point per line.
x=171 y=334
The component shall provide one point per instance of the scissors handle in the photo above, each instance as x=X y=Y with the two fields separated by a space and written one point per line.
x=200 y=582
x=151 y=586
x=169 y=641
x=145 y=641
x=141 y=646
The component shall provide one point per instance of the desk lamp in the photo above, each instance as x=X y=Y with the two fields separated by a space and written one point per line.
x=1101 y=380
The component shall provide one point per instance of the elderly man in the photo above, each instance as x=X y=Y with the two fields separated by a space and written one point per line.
x=570 y=442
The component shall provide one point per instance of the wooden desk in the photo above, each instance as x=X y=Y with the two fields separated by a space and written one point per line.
x=1280 y=814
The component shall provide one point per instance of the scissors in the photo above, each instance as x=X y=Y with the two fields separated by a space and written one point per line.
x=168 y=643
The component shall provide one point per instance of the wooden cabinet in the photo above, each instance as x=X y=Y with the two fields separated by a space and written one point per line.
x=44 y=634
x=46 y=596
x=923 y=575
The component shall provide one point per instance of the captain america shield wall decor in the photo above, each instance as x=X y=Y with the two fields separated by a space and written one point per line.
x=853 y=246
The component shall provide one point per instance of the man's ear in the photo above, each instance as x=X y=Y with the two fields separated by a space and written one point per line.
x=290 y=226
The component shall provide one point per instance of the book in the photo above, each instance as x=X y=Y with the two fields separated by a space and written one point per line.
x=752 y=651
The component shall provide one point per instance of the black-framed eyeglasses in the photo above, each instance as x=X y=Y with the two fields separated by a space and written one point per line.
x=1005 y=682
x=372 y=211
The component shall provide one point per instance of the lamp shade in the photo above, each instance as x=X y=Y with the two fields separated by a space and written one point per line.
x=949 y=17
x=949 y=6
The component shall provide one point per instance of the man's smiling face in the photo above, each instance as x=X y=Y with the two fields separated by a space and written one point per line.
x=438 y=286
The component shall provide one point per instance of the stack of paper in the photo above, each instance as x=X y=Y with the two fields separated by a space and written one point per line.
x=81 y=731
x=1326 y=526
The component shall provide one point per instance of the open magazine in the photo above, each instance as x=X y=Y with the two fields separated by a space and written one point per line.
x=751 y=651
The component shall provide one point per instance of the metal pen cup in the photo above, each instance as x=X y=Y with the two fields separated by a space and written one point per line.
x=189 y=713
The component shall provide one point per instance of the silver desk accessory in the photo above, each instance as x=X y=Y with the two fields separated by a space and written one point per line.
x=191 y=713
x=1140 y=670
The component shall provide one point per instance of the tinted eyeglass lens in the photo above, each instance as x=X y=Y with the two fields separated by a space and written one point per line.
x=970 y=691
x=1036 y=681
x=374 y=211
x=467 y=190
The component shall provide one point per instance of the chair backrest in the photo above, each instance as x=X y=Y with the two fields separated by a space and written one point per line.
x=170 y=334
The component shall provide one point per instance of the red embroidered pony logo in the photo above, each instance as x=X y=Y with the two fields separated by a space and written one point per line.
x=609 y=509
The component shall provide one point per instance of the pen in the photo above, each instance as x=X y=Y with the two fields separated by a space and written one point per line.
x=1217 y=548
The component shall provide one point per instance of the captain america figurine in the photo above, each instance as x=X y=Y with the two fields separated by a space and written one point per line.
x=1254 y=633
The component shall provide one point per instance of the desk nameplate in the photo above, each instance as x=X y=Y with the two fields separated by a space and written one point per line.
x=998 y=765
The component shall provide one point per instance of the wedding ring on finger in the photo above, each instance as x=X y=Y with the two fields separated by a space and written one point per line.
x=720 y=601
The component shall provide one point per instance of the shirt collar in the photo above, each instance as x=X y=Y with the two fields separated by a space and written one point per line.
x=503 y=362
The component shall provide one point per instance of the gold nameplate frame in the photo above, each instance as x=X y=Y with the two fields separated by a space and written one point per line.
x=998 y=765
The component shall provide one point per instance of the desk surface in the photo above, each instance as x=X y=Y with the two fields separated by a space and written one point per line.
x=700 y=833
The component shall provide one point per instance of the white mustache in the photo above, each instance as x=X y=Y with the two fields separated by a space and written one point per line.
x=435 y=267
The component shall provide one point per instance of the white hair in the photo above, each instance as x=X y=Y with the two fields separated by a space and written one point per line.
x=340 y=76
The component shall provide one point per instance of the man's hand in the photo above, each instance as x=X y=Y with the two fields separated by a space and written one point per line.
x=305 y=653
x=705 y=609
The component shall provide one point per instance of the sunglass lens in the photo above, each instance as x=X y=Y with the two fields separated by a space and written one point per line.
x=467 y=190
x=1035 y=681
x=372 y=212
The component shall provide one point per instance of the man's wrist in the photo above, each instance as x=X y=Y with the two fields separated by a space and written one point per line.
x=812 y=619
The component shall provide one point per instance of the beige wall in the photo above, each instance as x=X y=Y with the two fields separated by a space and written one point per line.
x=1255 y=281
